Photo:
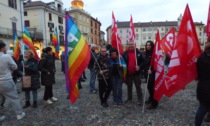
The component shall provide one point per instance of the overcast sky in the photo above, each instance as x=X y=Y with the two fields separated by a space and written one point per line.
x=142 y=10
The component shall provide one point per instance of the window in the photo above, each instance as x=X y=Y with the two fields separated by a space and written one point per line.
x=200 y=33
x=137 y=30
x=25 y=13
x=51 y=37
x=120 y=30
x=12 y=3
x=144 y=29
x=50 y=16
x=137 y=35
x=149 y=29
x=60 y=20
x=144 y=36
x=61 y=40
x=127 y=30
x=96 y=25
x=27 y=23
x=14 y=28
x=149 y=36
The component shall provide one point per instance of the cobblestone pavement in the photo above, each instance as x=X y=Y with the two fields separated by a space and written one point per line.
x=176 y=111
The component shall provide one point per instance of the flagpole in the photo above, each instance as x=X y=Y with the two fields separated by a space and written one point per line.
x=145 y=93
x=99 y=67
x=118 y=49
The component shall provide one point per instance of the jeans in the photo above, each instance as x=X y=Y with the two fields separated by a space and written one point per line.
x=117 y=89
x=201 y=112
x=27 y=95
x=48 y=93
x=92 y=79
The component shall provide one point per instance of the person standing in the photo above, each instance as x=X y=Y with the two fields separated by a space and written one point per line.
x=91 y=68
x=31 y=69
x=47 y=68
x=7 y=86
x=134 y=68
x=116 y=76
x=102 y=67
x=203 y=86
x=149 y=74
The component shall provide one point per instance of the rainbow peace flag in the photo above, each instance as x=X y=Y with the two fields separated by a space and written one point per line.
x=16 y=47
x=56 y=43
x=77 y=57
x=28 y=42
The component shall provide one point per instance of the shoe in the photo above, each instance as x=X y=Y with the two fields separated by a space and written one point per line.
x=105 y=105
x=93 y=92
x=54 y=99
x=150 y=107
x=207 y=119
x=2 y=118
x=21 y=116
x=27 y=104
x=34 y=104
x=82 y=80
x=139 y=102
x=119 y=105
x=128 y=101
x=49 y=101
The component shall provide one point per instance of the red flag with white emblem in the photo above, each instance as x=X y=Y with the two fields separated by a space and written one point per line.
x=132 y=34
x=208 y=24
x=167 y=42
x=158 y=65
x=116 y=40
x=182 y=66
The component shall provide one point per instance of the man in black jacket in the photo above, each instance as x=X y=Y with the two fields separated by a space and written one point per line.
x=134 y=60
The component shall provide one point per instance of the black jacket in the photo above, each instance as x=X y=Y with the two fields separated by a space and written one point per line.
x=32 y=70
x=203 y=87
x=147 y=60
x=104 y=63
x=140 y=59
x=94 y=56
x=47 y=64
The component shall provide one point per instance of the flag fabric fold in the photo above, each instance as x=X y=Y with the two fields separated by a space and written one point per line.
x=132 y=34
x=28 y=42
x=168 y=41
x=208 y=23
x=182 y=66
x=77 y=56
x=158 y=65
x=115 y=38
x=56 y=43
x=16 y=47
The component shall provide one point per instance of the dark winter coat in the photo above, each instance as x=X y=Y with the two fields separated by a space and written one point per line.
x=140 y=59
x=47 y=64
x=104 y=63
x=31 y=69
x=94 y=56
x=147 y=60
x=203 y=87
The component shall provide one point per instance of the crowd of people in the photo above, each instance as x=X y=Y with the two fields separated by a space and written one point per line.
x=105 y=65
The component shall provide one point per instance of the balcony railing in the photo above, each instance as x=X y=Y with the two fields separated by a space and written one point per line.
x=9 y=32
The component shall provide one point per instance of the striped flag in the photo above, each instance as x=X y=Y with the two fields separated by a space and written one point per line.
x=16 y=47
x=77 y=57
x=28 y=42
x=56 y=43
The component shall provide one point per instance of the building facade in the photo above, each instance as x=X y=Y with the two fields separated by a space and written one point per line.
x=11 y=21
x=41 y=19
x=147 y=31
x=88 y=26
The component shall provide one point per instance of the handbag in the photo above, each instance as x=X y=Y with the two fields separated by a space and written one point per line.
x=26 y=83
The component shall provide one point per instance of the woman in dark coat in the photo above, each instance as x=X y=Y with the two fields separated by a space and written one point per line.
x=203 y=87
x=31 y=69
x=47 y=68
x=150 y=71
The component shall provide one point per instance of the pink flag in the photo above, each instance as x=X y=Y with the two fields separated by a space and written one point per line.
x=208 y=24
x=182 y=66
x=116 y=40
x=167 y=42
x=158 y=65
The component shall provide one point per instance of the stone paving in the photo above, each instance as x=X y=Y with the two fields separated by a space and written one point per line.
x=176 y=111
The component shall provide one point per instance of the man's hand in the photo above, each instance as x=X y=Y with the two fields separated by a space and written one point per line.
x=137 y=68
x=149 y=72
x=101 y=72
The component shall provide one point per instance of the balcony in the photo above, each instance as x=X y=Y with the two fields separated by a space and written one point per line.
x=6 y=32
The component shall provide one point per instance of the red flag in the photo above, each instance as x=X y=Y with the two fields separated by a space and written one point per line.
x=208 y=24
x=132 y=35
x=167 y=42
x=116 y=40
x=182 y=66
x=158 y=65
